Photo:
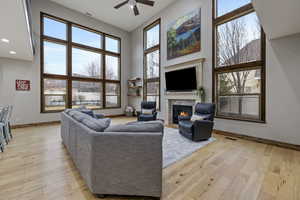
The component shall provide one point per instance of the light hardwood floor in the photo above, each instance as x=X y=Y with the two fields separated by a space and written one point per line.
x=36 y=166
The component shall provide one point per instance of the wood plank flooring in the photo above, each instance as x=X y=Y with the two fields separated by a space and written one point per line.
x=36 y=166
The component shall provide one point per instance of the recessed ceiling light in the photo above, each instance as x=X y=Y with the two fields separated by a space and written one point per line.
x=5 y=40
x=13 y=52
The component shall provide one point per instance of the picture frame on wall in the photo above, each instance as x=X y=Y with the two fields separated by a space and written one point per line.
x=22 y=85
x=184 y=35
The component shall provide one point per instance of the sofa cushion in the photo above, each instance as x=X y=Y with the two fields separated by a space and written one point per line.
x=144 y=117
x=99 y=116
x=73 y=112
x=85 y=110
x=147 y=127
x=81 y=116
x=98 y=125
x=186 y=126
x=88 y=112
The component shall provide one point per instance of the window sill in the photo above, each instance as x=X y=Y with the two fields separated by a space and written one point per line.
x=58 y=111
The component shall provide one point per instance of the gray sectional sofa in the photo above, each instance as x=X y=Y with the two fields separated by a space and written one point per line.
x=115 y=160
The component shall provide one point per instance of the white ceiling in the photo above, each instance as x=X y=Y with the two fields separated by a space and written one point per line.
x=14 y=27
x=279 y=17
x=123 y=18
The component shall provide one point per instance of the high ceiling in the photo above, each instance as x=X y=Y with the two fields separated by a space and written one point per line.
x=123 y=18
x=15 y=29
x=279 y=18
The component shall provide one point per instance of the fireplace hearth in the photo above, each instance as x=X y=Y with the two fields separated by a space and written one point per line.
x=182 y=110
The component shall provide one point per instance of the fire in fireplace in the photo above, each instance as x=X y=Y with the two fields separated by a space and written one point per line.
x=181 y=110
x=184 y=114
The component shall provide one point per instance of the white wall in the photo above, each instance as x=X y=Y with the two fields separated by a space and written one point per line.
x=27 y=104
x=167 y=16
x=282 y=95
x=283 y=69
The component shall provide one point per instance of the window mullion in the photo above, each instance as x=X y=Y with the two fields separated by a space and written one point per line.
x=104 y=73
x=69 y=66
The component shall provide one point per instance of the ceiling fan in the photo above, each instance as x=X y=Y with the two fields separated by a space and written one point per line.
x=133 y=5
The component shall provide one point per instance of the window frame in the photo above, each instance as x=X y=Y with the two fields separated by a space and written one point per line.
x=147 y=51
x=69 y=77
x=261 y=64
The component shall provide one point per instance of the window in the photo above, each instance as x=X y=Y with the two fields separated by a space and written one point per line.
x=112 y=67
x=87 y=94
x=152 y=63
x=223 y=7
x=112 y=44
x=112 y=95
x=55 y=58
x=239 y=62
x=76 y=68
x=85 y=37
x=55 y=93
x=55 y=28
x=86 y=63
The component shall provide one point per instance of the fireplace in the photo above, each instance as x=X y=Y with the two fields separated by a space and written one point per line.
x=183 y=110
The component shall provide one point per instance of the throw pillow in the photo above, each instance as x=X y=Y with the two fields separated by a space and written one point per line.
x=88 y=112
x=196 y=117
x=98 y=125
x=147 y=111
x=85 y=110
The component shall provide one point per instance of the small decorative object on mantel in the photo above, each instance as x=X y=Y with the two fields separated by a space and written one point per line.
x=22 y=85
x=201 y=93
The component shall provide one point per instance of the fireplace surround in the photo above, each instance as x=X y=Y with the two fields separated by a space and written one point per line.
x=188 y=99
x=184 y=105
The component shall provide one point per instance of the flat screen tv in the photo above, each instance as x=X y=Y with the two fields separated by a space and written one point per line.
x=181 y=80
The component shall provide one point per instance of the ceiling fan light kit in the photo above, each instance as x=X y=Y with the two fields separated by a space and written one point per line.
x=133 y=5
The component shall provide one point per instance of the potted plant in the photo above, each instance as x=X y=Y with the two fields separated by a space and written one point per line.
x=201 y=93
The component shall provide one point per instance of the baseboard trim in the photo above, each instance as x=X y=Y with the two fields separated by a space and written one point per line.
x=51 y=123
x=259 y=140
x=35 y=124
x=115 y=116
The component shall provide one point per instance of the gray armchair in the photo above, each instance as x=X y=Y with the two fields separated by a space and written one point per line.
x=200 y=129
x=149 y=105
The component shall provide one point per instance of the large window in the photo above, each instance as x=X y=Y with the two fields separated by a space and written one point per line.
x=239 y=61
x=152 y=63
x=79 y=66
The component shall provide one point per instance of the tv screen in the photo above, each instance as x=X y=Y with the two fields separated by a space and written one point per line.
x=181 y=80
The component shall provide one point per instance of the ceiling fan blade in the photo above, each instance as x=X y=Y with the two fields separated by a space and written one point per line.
x=136 y=10
x=146 y=2
x=121 y=4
